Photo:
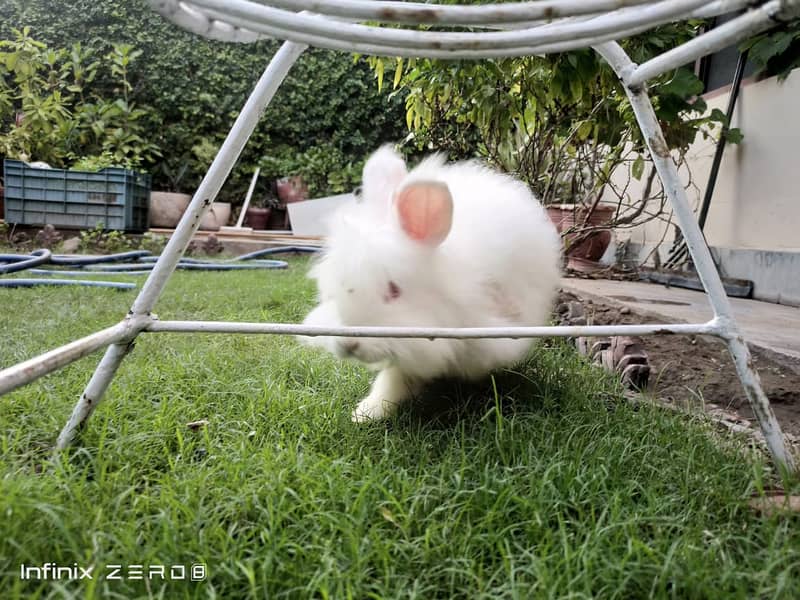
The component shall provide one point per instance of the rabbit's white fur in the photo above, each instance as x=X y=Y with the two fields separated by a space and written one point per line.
x=498 y=265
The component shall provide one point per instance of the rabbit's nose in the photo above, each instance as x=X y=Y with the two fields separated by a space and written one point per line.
x=349 y=346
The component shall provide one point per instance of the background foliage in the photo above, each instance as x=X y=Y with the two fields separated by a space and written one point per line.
x=560 y=122
x=137 y=86
x=51 y=111
x=776 y=52
x=327 y=116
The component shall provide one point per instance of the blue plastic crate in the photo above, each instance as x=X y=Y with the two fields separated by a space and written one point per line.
x=115 y=198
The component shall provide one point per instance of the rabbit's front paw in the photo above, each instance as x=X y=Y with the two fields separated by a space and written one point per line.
x=372 y=409
x=389 y=390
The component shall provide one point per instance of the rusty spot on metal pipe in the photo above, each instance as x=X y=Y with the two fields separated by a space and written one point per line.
x=423 y=15
x=659 y=146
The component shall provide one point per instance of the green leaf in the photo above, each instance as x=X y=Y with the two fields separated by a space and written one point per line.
x=398 y=73
x=734 y=136
x=576 y=87
x=769 y=47
x=684 y=83
x=718 y=116
x=584 y=130
x=379 y=73
x=637 y=168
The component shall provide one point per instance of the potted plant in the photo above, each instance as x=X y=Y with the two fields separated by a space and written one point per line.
x=581 y=228
x=563 y=125
x=203 y=154
x=216 y=217
x=168 y=205
x=292 y=189
x=258 y=213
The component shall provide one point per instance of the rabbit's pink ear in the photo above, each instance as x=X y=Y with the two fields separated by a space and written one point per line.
x=425 y=211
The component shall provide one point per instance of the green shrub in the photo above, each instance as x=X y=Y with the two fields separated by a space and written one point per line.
x=51 y=111
x=95 y=163
x=196 y=87
x=776 y=52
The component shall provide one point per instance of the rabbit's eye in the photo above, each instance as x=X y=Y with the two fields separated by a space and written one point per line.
x=392 y=292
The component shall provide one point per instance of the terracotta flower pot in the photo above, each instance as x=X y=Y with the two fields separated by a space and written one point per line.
x=565 y=216
x=292 y=189
x=216 y=217
x=257 y=217
x=167 y=208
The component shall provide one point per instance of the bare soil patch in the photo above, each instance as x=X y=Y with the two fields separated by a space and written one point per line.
x=697 y=371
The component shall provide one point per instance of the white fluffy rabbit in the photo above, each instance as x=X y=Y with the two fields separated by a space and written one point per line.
x=445 y=245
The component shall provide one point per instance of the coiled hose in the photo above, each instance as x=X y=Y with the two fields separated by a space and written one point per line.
x=136 y=262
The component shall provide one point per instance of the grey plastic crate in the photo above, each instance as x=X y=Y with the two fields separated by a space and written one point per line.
x=114 y=197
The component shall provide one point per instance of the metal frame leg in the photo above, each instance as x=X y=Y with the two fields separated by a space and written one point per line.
x=93 y=393
x=613 y=53
x=120 y=338
x=240 y=133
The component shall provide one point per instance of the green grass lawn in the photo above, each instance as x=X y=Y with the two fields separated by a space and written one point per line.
x=541 y=483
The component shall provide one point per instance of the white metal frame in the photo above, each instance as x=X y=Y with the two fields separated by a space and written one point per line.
x=508 y=29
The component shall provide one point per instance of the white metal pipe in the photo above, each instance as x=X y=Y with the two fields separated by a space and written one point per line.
x=759 y=403
x=487 y=14
x=92 y=395
x=444 y=14
x=740 y=28
x=662 y=159
x=31 y=369
x=720 y=7
x=221 y=166
x=390 y=51
x=248 y=197
x=242 y=20
x=191 y=19
x=709 y=328
x=701 y=256
x=222 y=26
x=296 y=25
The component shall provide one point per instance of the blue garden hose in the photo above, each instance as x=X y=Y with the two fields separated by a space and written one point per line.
x=144 y=270
x=143 y=262
x=20 y=262
x=183 y=259
x=191 y=266
x=20 y=282
x=189 y=262
x=281 y=250
x=72 y=260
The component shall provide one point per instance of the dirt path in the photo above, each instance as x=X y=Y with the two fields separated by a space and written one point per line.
x=697 y=371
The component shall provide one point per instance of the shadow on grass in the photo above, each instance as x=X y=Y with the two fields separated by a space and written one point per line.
x=552 y=375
